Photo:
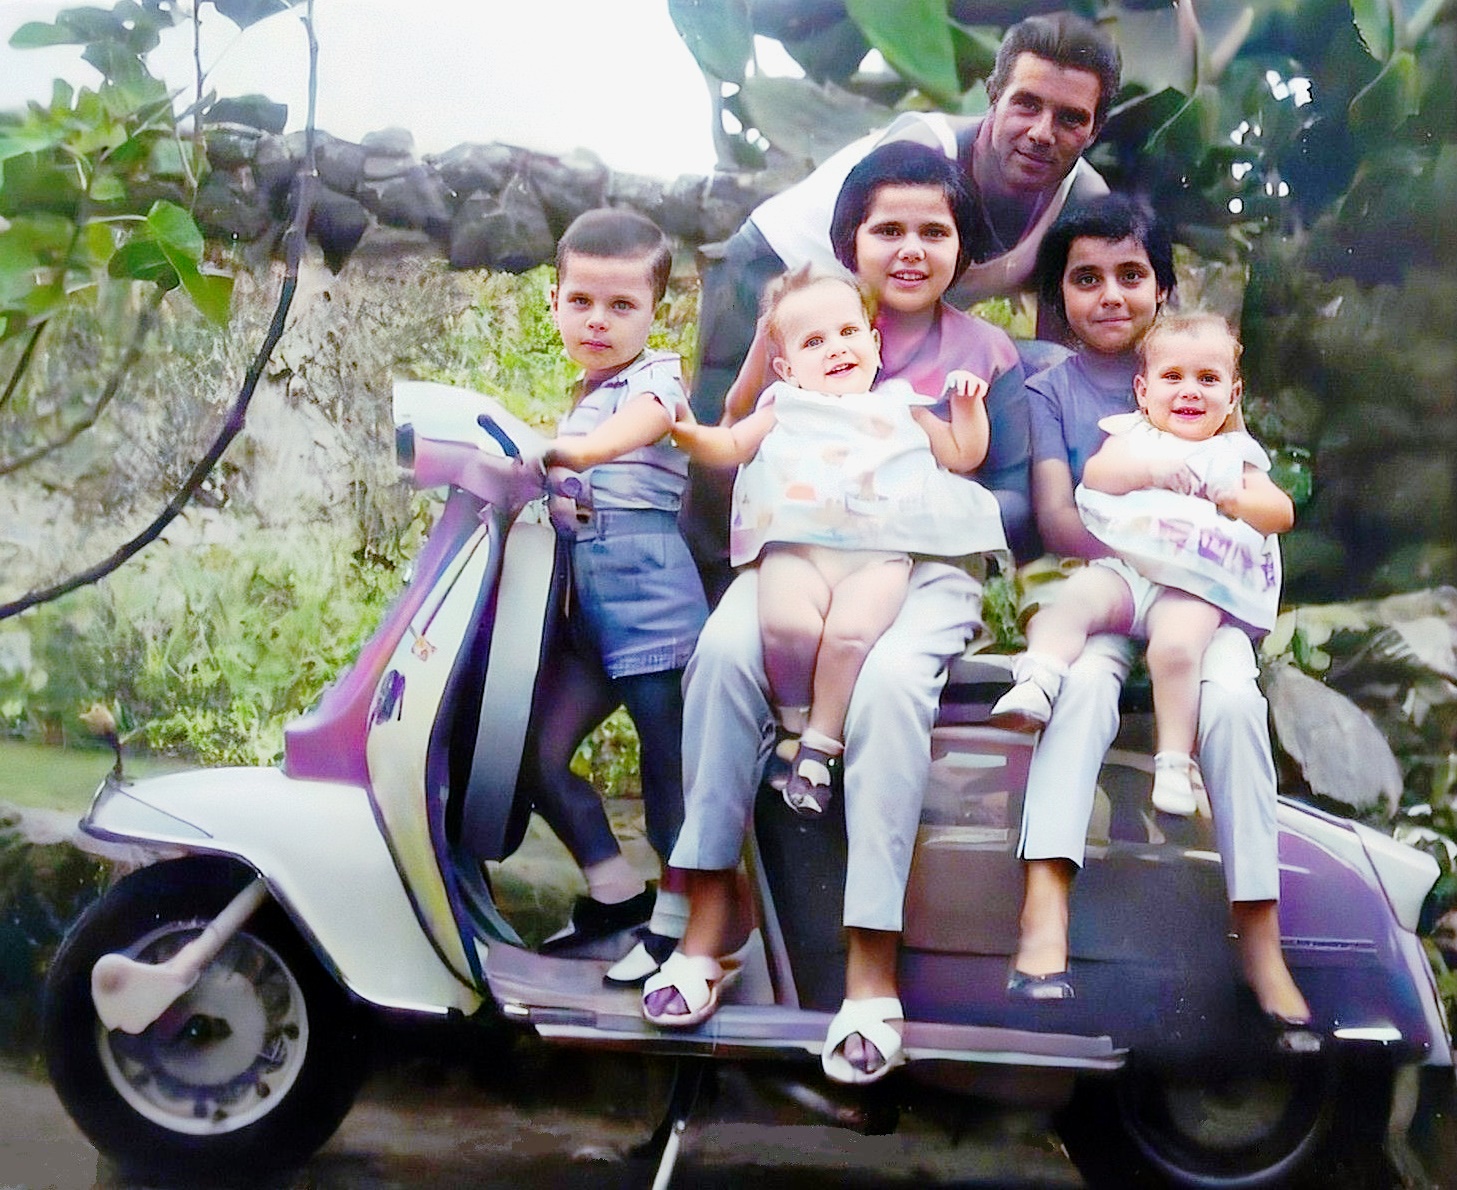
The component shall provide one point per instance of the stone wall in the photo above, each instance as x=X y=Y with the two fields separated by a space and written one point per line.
x=480 y=205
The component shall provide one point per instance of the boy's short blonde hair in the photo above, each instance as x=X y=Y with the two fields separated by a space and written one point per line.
x=617 y=234
x=797 y=281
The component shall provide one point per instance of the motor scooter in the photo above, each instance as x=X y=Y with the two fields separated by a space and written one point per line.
x=206 y=1016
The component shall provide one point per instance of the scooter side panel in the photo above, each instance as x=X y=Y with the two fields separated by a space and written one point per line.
x=317 y=845
x=402 y=725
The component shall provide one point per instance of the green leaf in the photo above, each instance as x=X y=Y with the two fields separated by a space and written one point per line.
x=107 y=188
x=175 y=230
x=1374 y=23
x=17 y=140
x=809 y=120
x=976 y=51
x=717 y=33
x=1190 y=128
x=249 y=12
x=1388 y=100
x=1155 y=50
x=143 y=259
x=211 y=293
x=915 y=38
x=35 y=35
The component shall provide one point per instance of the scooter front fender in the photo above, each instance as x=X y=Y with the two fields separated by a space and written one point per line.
x=317 y=845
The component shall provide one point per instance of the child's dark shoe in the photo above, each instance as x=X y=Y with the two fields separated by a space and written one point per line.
x=808 y=790
x=594 y=920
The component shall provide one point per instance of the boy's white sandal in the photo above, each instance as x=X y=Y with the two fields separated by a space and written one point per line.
x=699 y=979
x=871 y=1019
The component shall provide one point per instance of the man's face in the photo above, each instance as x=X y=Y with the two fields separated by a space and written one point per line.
x=1041 y=123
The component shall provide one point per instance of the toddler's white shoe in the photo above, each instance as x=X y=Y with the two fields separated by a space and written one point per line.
x=1025 y=707
x=1173 y=792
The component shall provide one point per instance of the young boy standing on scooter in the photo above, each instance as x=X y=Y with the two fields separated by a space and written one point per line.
x=636 y=603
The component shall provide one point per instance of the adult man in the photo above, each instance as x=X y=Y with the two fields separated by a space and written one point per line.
x=1050 y=90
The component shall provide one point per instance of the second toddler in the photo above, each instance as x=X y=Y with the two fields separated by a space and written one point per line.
x=1197 y=554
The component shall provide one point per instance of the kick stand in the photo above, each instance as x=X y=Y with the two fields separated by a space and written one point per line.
x=667 y=1138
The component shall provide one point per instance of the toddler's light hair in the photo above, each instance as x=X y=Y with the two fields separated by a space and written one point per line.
x=797 y=281
x=1189 y=322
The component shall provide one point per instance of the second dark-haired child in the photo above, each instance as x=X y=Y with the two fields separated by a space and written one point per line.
x=636 y=603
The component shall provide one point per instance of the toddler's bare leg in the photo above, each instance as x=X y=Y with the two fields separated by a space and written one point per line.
x=1092 y=600
x=863 y=604
x=1180 y=627
x=794 y=599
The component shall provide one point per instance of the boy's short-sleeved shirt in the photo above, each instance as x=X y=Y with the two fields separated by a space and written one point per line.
x=651 y=476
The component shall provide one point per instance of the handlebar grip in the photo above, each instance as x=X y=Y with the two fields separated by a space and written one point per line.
x=503 y=440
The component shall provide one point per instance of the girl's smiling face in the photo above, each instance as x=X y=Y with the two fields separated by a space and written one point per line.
x=825 y=341
x=906 y=247
x=1188 y=385
x=1110 y=293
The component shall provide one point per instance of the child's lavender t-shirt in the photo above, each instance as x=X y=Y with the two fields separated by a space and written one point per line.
x=1067 y=402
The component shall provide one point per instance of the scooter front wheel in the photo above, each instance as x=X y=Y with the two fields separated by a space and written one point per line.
x=246 y=1074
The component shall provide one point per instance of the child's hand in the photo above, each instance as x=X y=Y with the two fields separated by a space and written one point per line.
x=1173 y=475
x=563 y=486
x=965 y=385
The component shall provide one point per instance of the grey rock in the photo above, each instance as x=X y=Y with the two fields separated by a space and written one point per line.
x=338 y=223
x=340 y=164
x=274 y=169
x=508 y=231
x=468 y=168
x=682 y=201
x=568 y=186
x=417 y=198
x=231 y=146
x=229 y=205
x=389 y=142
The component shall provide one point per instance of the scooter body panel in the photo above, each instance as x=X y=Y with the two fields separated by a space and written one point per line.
x=318 y=846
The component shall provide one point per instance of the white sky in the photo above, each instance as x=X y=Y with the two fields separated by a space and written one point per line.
x=611 y=76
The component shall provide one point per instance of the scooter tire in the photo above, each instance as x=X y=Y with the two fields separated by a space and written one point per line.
x=1304 y=1123
x=249 y=1085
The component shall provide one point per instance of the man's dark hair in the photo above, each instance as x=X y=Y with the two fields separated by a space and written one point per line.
x=1069 y=41
x=901 y=163
x=618 y=234
x=1107 y=217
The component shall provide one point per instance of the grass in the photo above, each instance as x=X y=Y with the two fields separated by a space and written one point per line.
x=58 y=778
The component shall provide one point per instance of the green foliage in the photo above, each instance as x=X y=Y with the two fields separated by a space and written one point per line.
x=204 y=653
x=80 y=175
x=1394 y=659
x=43 y=890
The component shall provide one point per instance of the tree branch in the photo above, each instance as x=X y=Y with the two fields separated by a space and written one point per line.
x=22 y=365
x=293 y=240
x=145 y=321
